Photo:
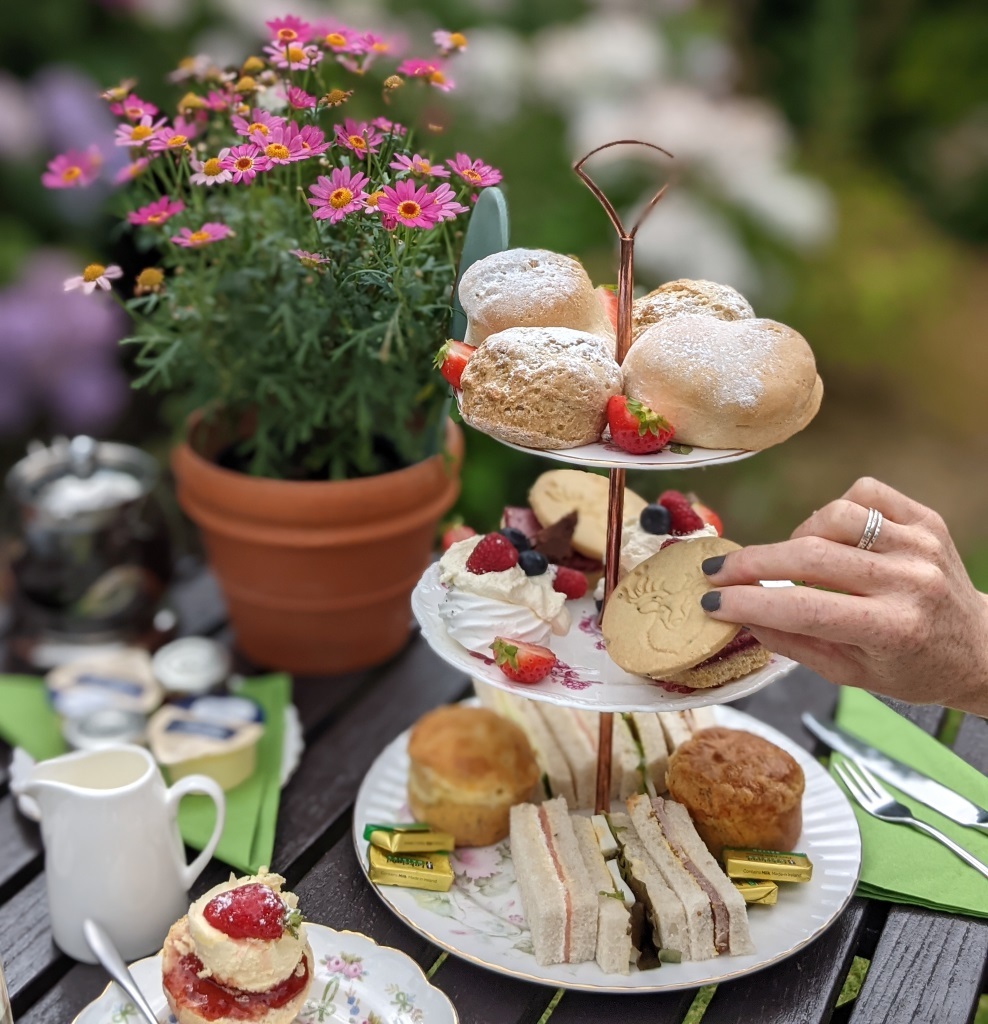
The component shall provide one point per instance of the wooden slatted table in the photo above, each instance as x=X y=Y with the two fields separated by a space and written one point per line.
x=925 y=966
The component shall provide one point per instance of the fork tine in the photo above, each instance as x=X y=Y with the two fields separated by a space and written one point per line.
x=849 y=781
x=869 y=777
x=856 y=769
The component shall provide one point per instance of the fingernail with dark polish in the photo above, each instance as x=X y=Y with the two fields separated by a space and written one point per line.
x=710 y=601
x=712 y=565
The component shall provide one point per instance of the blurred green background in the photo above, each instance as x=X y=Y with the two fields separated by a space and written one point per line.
x=831 y=162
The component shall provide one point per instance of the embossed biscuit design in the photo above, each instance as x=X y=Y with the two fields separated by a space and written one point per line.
x=653 y=624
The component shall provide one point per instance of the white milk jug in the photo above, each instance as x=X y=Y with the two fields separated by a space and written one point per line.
x=112 y=846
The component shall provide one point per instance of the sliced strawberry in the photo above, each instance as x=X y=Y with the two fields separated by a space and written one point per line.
x=635 y=428
x=607 y=297
x=682 y=517
x=457 y=532
x=708 y=515
x=252 y=911
x=522 y=662
x=569 y=582
x=451 y=360
x=494 y=553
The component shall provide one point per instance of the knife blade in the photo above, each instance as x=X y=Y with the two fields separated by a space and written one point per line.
x=911 y=782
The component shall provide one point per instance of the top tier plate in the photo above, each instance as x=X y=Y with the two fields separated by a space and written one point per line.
x=604 y=455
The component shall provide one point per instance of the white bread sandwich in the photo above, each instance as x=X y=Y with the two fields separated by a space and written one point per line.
x=680 y=726
x=557 y=897
x=576 y=733
x=716 y=917
x=613 y=953
x=651 y=741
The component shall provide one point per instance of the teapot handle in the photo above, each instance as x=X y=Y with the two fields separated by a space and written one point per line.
x=207 y=787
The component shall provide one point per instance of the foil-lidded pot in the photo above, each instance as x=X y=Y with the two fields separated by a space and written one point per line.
x=93 y=556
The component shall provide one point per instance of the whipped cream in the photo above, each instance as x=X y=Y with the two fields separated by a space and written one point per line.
x=253 y=965
x=474 y=621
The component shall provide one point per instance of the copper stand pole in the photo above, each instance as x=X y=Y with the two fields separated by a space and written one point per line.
x=615 y=492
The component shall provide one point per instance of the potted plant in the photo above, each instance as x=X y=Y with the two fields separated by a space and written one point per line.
x=304 y=256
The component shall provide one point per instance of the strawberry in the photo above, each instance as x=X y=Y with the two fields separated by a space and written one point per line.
x=635 y=428
x=569 y=582
x=252 y=911
x=521 y=662
x=494 y=553
x=455 y=532
x=708 y=515
x=451 y=359
x=607 y=297
x=682 y=517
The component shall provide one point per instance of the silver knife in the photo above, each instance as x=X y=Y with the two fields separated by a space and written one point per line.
x=915 y=784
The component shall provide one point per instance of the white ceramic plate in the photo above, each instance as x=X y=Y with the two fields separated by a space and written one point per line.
x=605 y=455
x=480 y=918
x=354 y=978
x=584 y=675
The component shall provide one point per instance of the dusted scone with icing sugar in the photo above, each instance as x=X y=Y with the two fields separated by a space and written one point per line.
x=241 y=953
x=540 y=387
x=745 y=384
x=530 y=288
x=706 y=298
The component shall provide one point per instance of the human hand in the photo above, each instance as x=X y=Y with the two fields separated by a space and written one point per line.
x=901 y=619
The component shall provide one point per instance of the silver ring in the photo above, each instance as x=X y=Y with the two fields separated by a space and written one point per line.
x=873 y=526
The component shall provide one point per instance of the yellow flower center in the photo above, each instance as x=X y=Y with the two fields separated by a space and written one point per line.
x=340 y=198
x=178 y=140
x=334 y=39
x=71 y=173
x=190 y=101
x=335 y=97
x=187 y=64
x=295 y=54
x=457 y=39
x=357 y=142
x=252 y=64
x=198 y=237
x=437 y=77
x=380 y=47
x=246 y=84
x=287 y=35
x=212 y=167
x=394 y=82
x=409 y=209
x=155 y=218
x=276 y=151
x=244 y=163
x=134 y=169
x=93 y=272
x=257 y=127
x=421 y=167
x=150 y=277
x=469 y=174
x=308 y=261
x=140 y=132
x=372 y=199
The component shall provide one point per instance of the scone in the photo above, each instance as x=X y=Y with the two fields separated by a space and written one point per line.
x=540 y=387
x=530 y=288
x=745 y=384
x=740 y=790
x=241 y=953
x=706 y=298
x=468 y=768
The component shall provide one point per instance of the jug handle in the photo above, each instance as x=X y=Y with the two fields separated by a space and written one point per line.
x=207 y=787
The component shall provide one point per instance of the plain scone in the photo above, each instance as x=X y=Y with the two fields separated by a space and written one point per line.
x=745 y=384
x=684 y=296
x=540 y=387
x=740 y=790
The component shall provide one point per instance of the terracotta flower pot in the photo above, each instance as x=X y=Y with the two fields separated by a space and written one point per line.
x=317 y=575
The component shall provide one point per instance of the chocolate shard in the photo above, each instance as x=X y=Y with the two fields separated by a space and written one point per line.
x=556 y=540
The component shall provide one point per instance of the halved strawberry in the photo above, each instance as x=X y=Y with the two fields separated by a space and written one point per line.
x=451 y=360
x=252 y=911
x=708 y=515
x=493 y=553
x=522 y=662
x=569 y=582
x=607 y=297
x=635 y=428
x=455 y=532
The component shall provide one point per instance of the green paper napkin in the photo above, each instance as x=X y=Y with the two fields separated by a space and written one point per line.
x=247 y=843
x=900 y=864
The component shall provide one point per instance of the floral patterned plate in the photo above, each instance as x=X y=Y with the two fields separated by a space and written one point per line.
x=356 y=981
x=584 y=675
x=480 y=918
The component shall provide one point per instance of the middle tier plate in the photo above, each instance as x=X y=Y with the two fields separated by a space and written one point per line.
x=584 y=675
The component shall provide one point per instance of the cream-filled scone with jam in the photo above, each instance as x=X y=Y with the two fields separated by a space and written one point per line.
x=495 y=589
x=241 y=953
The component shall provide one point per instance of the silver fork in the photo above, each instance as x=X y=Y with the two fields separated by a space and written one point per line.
x=880 y=803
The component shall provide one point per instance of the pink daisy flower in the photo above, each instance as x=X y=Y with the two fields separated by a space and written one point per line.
x=473 y=171
x=389 y=127
x=218 y=100
x=244 y=162
x=157 y=212
x=430 y=70
x=293 y=56
x=339 y=38
x=211 y=231
x=197 y=67
x=93 y=277
x=309 y=259
x=210 y=172
x=73 y=169
x=280 y=145
x=445 y=202
x=133 y=108
x=449 y=42
x=388 y=222
x=140 y=133
x=130 y=171
x=176 y=136
x=339 y=194
x=312 y=139
x=410 y=206
x=299 y=99
x=289 y=29
x=358 y=136
x=260 y=121
x=417 y=165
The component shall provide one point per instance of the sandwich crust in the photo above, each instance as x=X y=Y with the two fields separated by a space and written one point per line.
x=739 y=789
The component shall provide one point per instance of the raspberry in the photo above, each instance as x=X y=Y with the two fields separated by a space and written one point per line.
x=682 y=515
x=569 y=582
x=250 y=911
x=494 y=553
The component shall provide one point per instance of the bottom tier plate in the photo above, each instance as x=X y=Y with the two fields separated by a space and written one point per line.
x=480 y=918
x=584 y=675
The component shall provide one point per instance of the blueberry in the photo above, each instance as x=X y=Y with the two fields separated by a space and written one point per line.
x=655 y=519
x=532 y=563
x=518 y=540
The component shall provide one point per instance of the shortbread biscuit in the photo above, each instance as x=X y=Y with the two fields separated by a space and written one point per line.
x=706 y=298
x=653 y=624
x=560 y=491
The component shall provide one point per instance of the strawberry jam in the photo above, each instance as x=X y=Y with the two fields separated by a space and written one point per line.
x=251 y=911
x=212 y=1001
